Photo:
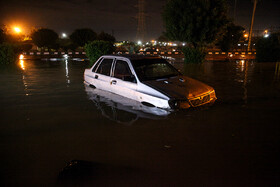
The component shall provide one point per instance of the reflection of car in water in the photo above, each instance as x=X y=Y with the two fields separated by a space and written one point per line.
x=150 y=80
x=122 y=109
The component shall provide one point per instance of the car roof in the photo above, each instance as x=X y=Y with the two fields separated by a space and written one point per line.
x=134 y=57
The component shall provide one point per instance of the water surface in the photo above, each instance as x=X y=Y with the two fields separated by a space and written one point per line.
x=48 y=118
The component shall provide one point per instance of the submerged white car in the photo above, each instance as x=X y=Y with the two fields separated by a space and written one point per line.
x=150 y=80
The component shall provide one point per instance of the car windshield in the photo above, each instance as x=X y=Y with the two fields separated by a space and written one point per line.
x=153 y=69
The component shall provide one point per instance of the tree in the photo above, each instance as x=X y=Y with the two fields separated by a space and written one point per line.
x=97 y=48
x=2 y=36
x=66 y=44
x=8 y=53
x=268 y=49
x=233 y=34
x=197 y=22
x=162 y=38
x=45 y=38
x=83 y=36
x=106 y=37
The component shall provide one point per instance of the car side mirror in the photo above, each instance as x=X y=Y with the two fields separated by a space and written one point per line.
x=130 y=78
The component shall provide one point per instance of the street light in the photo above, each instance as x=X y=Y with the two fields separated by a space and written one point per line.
x=265 y=34
x=64 y=35
x=17 y=30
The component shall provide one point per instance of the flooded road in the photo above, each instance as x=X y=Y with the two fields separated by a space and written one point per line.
x=49 y=118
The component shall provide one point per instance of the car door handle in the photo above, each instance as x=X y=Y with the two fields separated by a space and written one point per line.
x=96 y=76
x=113 y=82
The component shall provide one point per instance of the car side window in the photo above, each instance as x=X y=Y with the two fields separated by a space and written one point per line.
x=96 y=65
x=105 y=67
x=122 y=70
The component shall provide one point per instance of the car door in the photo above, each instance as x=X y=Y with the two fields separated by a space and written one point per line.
x=103 y=73
x=123 y=82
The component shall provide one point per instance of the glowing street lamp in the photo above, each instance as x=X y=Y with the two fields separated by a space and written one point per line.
x=17 y=30
x=266 y=34
x=64 y=35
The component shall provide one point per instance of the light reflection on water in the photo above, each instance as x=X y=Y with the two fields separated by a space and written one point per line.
x=22 y=64
x=67 y=72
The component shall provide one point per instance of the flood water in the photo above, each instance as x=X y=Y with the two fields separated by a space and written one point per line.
x=49 y=118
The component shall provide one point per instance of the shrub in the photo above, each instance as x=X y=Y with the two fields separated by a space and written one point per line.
x=193 y=55
x=8 y=53
x=268 y=49
x=131 y=47
x=97 y=48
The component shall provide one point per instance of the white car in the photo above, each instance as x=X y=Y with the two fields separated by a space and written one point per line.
x=150 y=80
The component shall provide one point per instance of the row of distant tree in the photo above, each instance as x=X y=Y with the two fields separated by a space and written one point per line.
x=47 y=38
x=50 y=39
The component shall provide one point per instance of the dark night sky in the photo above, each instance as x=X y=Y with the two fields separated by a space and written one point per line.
x=108 y=15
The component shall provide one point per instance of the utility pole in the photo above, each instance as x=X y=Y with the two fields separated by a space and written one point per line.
x=252 y=23
x=141 y=28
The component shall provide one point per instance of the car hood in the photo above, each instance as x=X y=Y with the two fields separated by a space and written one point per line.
x=179 y=87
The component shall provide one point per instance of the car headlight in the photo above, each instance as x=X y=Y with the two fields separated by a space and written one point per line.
x=178 y=104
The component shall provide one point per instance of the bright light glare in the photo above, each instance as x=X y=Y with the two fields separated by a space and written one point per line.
x=139 y=43
x=266 y=35
x=64 y=35
x=21 y=62
x=21 y=57
x=17 y=29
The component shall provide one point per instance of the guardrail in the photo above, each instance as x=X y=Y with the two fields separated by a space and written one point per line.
x=38 y=53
